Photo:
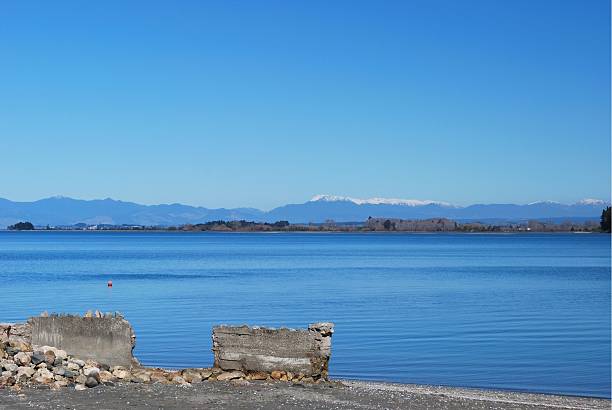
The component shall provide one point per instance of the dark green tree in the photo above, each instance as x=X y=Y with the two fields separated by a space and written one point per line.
x=605 y=220
x=22 y=226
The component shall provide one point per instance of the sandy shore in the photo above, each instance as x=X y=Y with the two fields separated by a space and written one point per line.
x=265 y=395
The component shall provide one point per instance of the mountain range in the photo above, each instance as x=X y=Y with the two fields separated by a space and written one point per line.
x=68 y=211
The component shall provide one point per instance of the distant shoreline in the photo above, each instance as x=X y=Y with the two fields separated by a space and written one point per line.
x=378 y=224
x=164 y=231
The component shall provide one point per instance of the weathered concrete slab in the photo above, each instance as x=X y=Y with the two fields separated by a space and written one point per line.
x=263 y=349
x=106 y=339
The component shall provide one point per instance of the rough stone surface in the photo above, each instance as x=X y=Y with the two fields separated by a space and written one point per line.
x=141 y=377
x=104 y=339
x=16 y=333
x=106 y=376
x=78 y=362
x=178 y=379
x=191 y=376
x=252 y=349
x=26 y=371
x=258 y=376
x=11 y=367
x=37 y=358
x=206 y=373
x=22 y=359
x=121 y=373
x=43 y=376
x=230 y=376
x=49 y=358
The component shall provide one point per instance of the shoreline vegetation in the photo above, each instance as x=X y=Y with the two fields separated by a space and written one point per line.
x=370 y=225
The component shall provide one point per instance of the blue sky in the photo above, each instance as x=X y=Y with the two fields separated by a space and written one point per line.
x=260 y=103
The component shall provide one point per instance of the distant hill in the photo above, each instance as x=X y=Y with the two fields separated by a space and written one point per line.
x=343 y=209
x=67 y=211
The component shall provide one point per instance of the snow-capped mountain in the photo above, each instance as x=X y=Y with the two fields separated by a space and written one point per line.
x=378 y=201
x=348 y=209
x=591 y=201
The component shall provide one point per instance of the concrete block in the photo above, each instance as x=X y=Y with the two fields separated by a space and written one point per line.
x=107 y=339
x=253 y=349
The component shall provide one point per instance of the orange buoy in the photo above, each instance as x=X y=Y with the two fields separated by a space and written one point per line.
x=110 y=284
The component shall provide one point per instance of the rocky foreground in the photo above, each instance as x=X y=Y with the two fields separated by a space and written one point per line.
x=46 y=377
x=242 y=394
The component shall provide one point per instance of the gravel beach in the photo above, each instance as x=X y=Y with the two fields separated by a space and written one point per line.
x=266 y=395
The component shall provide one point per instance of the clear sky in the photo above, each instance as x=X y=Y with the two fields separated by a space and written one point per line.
x=261 y=103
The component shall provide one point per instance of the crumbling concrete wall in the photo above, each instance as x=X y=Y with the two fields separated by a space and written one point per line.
x=252 y=349
x=107 y=339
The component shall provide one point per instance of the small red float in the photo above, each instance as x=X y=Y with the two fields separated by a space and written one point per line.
x=110 y=284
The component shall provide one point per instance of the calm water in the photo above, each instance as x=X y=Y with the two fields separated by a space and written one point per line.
x=528 y=312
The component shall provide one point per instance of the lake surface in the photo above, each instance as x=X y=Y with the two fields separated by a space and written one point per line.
x=517 y=311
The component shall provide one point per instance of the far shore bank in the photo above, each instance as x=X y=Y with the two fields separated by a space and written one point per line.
x=163 y=231
x=376 y=224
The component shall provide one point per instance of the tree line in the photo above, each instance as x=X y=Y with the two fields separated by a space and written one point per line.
x=372 y=224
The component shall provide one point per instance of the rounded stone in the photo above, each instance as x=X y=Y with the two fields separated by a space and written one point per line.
x=22 y=359
x=69 y=373
x=230 y=375
x=11 y=367
x=78 y=362
x=37 y=358
x=121 y=374
x=277 y=374
x=26 y=371
x=92 y=372
x=50 y=358
x=91 y=382
x=73 y=366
